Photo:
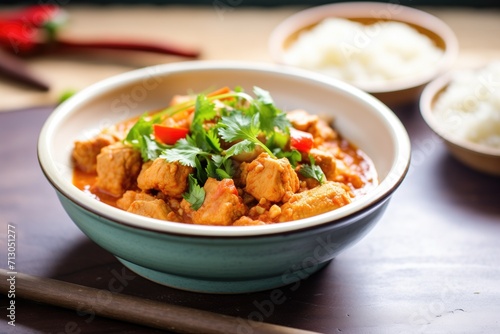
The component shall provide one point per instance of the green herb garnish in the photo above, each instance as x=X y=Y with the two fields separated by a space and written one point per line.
x=244 y=130
x=140 y=138
x=217 y=133
x=313 y=171
x=196 y=194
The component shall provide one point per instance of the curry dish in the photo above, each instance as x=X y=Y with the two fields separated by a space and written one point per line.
x=223 y=158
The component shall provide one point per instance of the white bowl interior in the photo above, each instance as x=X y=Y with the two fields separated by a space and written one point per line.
x=359 y=117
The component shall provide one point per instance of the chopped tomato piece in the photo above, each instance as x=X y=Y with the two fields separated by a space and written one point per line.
x=169 y=135
x=300 y=140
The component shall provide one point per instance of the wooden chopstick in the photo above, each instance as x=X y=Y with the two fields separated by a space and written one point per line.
x=17 y=70
x=136 y=310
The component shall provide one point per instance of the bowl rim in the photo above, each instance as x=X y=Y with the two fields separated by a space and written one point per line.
x=394 y=177
x=312 y=15
x=426 y=105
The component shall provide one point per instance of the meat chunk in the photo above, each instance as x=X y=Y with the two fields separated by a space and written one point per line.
x=222 y=204
x=147 y=205
x=156 y=208
x=131 y=196
x=301 y=119
x=318 y=127
x=272 y=179
x=322 y=132
x=325 y=160
x=247 y=221
x=117 y=168
x=85 y=152
x=326 y=197
x=171 y=178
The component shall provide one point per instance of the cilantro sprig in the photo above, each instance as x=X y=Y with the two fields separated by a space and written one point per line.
x=196 y=195
x=217 y=133
x=313 y=171
x=140 y=138
x=243 y=129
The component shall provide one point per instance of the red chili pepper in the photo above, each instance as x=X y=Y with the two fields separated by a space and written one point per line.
x=17 y=36
x=21 y=31
x=169 y=135
x=33 y=30
x=34 y=16
x=300 y=140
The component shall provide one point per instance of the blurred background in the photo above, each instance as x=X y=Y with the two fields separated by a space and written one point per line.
x=217 y=29
x=470 y=3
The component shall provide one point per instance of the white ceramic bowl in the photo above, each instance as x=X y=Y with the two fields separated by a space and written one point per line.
x=482 y=158
x=221 y=259
x=396 y=92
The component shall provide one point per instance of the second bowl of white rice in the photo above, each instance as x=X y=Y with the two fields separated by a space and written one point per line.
x=463 y=108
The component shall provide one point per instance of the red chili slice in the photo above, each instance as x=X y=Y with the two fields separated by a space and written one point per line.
x=300 y=140
x=169 y=135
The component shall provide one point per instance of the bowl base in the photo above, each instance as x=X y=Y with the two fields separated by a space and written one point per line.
x=220 y=287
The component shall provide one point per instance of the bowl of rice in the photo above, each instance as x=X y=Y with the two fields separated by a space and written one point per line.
x=463 y=108
x=388 y=50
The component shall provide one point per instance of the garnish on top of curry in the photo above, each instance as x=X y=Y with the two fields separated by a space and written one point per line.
x=223 y=158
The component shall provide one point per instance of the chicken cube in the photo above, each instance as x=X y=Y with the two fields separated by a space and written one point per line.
x=322 y=132
x=117 y=169
x=326 y=197
x=85 y=152
x=131 y=196
x=318 y=127
x=156 y=208
x=247 y=221
x=272 y=179
x=301 y=119
x=222 y=204
x=171 y=178
x=325 y=160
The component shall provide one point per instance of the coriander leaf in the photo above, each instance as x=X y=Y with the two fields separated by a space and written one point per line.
x=141 y=128
x=222 y=167
x=206 y=141
x=201 y=174
x=228 y=169
x=240 y=147
x=196 y=194
x=213 y=140
x=237 y=126
x=211 y=169
x=279 y=121
x=198 y=139
x=270 y=117
x=293 y=156
x=313 y=171
x=152 y=149
x=218 y=160
x=243 y=128
x=277 y=140
x=263 y=96
x=184 y=152
x=222 y=174
x=139 y=137
x=204 y=111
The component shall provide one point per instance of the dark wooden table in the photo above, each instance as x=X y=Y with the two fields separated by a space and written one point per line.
x=431 y=265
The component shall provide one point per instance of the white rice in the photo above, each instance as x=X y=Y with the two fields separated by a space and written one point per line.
x=364 y=54
x=470 y=106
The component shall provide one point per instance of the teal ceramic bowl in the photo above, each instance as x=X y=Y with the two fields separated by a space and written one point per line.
x=222 y=259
